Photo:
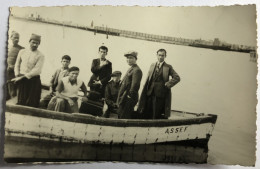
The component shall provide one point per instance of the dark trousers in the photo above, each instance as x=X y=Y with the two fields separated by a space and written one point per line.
x=155 y=107
x=11 y=90
x=10 y=86
x=98 y=88
x=126 y=109
x=29 y=91
x=45 y=101
x=62 y=105
x=110 y=110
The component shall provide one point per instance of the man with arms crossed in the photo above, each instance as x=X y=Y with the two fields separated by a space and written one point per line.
x=101 y=69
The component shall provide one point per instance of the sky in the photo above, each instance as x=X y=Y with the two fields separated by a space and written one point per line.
x=232 y=24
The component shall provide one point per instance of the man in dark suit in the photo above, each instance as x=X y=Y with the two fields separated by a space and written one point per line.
x=101 y=69
x=155 y=101
x=128 y=92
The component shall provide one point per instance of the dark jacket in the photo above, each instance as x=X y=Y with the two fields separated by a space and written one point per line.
x=159 y=89
x=130 y=85
x=111 y=92
x=101 y=73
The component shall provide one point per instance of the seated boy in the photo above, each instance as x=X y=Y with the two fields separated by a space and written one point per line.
x=66 y=99
x=111 y=93
x=58 y=75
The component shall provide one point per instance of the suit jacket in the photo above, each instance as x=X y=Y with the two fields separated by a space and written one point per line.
x=130 y=85
x=101 y=73
x=160 y=89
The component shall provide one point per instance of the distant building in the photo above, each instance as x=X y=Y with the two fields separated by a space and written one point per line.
x=216 y=42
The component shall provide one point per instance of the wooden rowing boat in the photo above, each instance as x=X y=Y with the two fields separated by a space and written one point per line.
x=23 y=121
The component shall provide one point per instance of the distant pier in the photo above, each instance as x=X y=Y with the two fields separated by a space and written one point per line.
x=215 y=44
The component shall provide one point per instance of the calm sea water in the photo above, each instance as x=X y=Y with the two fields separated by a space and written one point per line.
x=216 y=82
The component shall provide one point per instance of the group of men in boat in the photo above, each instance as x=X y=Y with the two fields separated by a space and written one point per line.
x=121 y=96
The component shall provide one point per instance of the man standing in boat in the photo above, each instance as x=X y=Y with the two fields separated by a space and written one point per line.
x=155 y=100
x=11 y=58
x=56 y=77
x=66 y=99
x=111 y=93
x=128 y=92
x=27 y=70
x=101 y=69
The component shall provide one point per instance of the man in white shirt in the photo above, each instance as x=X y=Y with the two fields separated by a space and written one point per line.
x=28 y=67
x=67 y=93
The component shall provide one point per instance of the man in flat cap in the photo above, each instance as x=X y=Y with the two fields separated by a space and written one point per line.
x=111 y=93
x=128 y=92
x=101 y=69
x=28 y=67
x=13 y=51
x=155 y=100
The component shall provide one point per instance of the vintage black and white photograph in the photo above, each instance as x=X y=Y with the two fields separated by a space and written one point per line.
x=131 y=84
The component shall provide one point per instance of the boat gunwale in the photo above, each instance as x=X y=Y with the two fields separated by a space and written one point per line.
x=89 y=119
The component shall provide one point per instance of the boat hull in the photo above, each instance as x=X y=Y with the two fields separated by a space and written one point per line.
x=63 y=127
x=20 y=149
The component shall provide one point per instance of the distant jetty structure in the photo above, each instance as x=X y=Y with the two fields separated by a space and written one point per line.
x=215 y=44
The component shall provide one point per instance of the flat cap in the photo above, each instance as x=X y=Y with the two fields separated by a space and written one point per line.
x=35 y=37
x=131 y=53
x=116 y=73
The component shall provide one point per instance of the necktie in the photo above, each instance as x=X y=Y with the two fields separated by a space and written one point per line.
x=158 y=67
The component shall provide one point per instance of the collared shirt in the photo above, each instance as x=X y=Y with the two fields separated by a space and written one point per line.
x=102 y=62
x=160 y=64
x=29 y=63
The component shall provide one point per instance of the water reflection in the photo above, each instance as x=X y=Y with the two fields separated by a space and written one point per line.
x=19 y=149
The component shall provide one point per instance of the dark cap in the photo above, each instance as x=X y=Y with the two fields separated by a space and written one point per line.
x=116 y=73
x=35 y=37
x=131 y=53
